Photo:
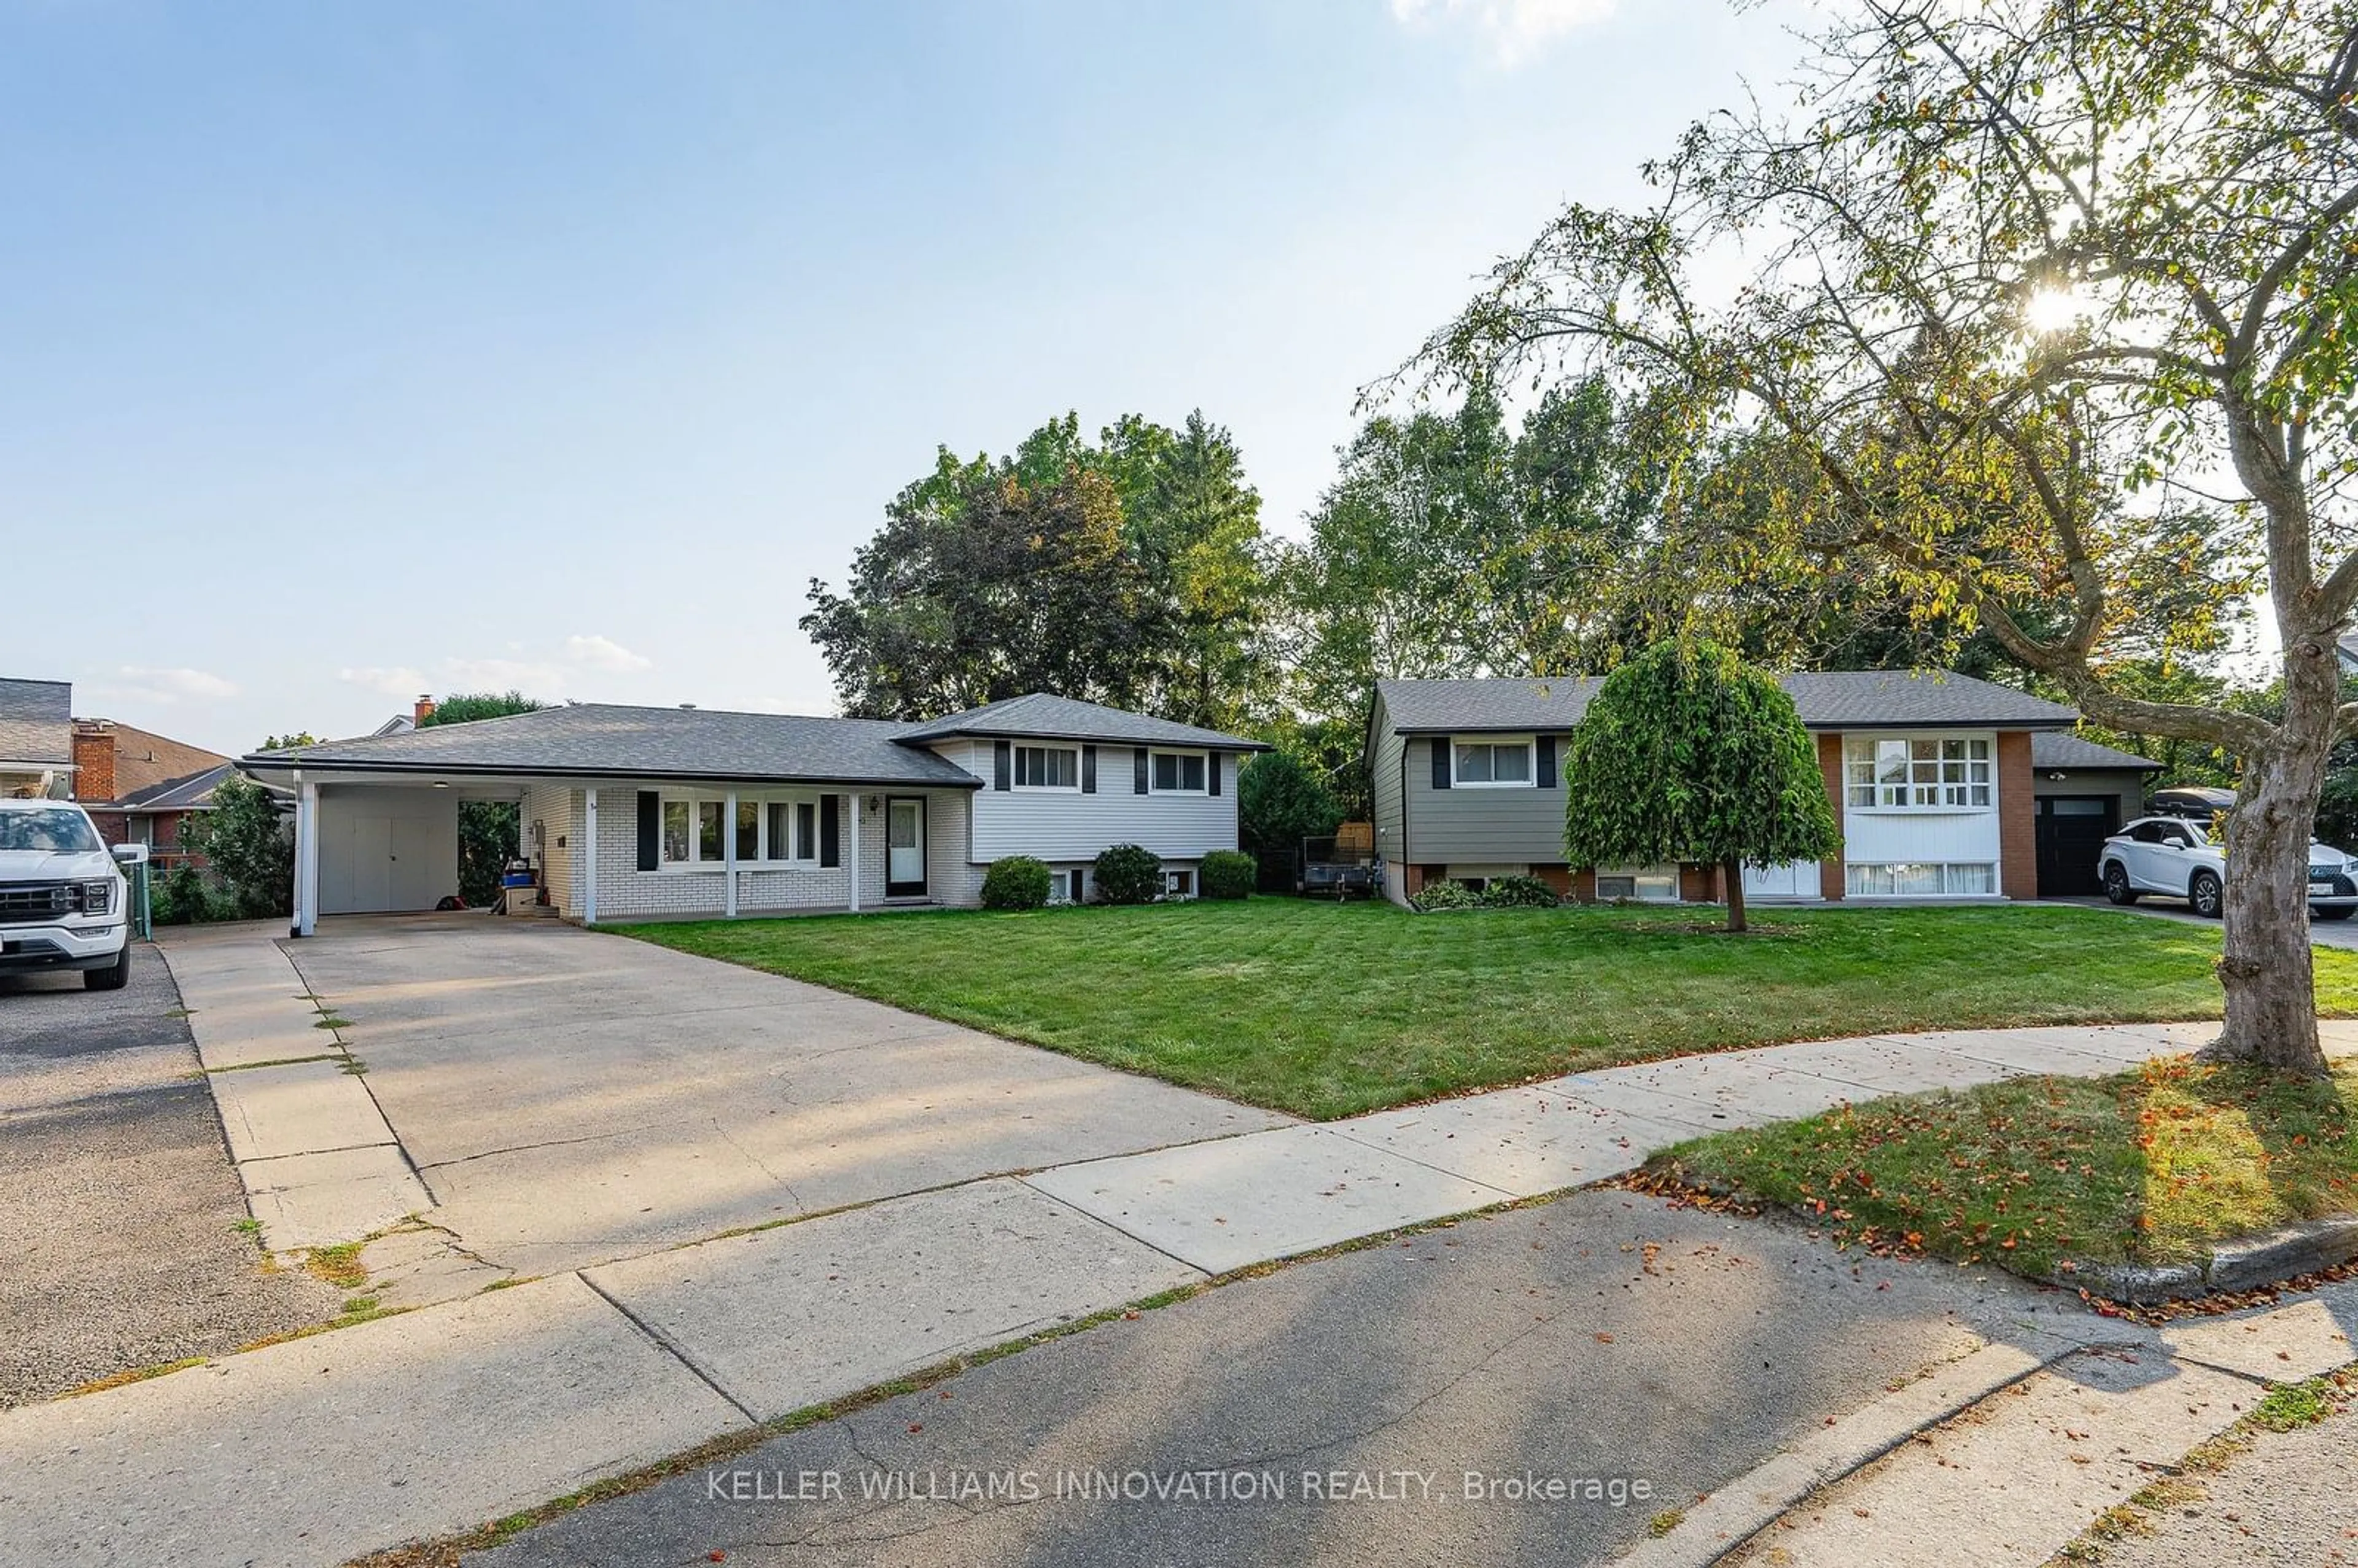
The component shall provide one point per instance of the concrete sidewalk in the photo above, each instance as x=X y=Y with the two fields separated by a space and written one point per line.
x=319 y=1163
x=436 y=1421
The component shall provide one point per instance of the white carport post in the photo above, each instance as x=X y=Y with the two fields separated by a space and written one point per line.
x=307 y=855
x=729 y=853
x=589 y=858
x=852 y=855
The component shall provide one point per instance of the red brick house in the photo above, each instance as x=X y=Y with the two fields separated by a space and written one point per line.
x=141 y=788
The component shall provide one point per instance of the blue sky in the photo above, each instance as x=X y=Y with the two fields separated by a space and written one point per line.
x=369 y=350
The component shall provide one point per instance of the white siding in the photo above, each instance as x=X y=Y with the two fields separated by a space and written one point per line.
x=1067 y=826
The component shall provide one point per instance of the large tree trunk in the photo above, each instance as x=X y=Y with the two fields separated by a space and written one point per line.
x=1733 y=871
x=2267 y=968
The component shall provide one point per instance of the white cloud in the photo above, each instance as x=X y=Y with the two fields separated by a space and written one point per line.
x=501 y=674
x=399 y=680
x=1515 y=29
x=598 y=652
x=141 y=683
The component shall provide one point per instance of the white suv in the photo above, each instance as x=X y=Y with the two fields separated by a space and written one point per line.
x=61 y=894
x=2171 y=856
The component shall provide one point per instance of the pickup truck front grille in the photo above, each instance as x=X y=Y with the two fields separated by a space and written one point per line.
x=24 y=902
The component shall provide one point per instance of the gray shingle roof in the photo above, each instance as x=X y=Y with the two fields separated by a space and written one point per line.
x=191 y=792
x=598 y=740
x=1833 y=699
x=37 y=721
x=2060 y=749
x=1066 y=718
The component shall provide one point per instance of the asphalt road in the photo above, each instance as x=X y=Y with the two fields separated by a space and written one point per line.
x=1603 y=1338
x=118 y=1240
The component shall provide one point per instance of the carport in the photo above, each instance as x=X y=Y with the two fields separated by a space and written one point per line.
x=380 y=845
x=636 y=813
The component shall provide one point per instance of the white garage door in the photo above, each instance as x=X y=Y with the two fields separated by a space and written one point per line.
x=386 y=850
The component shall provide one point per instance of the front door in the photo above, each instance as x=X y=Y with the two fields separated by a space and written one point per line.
x=904 y=846
x=2071 y=840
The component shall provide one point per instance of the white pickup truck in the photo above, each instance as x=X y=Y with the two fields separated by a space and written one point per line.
x=62 y=894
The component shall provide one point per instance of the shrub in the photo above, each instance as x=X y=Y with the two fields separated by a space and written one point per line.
x=1519 y=893
x=1019 y=882
x=180 y=897
x=1129 y=873
x=1227 y=873
x=1445 y=895
x=1281 y=800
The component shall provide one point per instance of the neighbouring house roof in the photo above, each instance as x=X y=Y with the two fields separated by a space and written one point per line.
x=1066 y=718
x=399 y=724
x=192 y=791
x=1833 y=700
x=143 y=760
x=2060 y=749
x=36 y=722
x=602 y=740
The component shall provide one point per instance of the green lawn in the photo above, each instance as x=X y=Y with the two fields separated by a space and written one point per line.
x=1329 y=1009
x=2152 y=1166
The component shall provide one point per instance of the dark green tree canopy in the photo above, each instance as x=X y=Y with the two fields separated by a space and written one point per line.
x=1688 y=754
x=1128 y=572
x=467 y=707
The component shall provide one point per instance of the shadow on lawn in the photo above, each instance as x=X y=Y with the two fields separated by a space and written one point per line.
x=2151 y=1167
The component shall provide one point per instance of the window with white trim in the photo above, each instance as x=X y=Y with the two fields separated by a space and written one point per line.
x=1179 y=881
x=1647 y=884
x=1177 y=772
x=1919 y=773
x=1047 y=767
x=1922 y=878
x=770 y=830
x=1491 y=764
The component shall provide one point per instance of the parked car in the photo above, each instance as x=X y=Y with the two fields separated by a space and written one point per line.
x=2197 y=802
x=62 y=894
x=2173 y=857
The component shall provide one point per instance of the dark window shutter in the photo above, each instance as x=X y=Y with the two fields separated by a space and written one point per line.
x=1138 y=780
x=1547 y=761
x=1441 y=762
x=830 y=830
x=650 y=831
x=1088 y=770
x=1002 y=765
x=1212 y=772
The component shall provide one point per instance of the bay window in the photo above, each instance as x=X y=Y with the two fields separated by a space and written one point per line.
x=1919 y=773
x=770 y=830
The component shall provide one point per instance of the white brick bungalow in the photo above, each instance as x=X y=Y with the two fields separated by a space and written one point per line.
x=629 y=813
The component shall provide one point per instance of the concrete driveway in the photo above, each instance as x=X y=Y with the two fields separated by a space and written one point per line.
x=2342 y=933
x=570 y=1098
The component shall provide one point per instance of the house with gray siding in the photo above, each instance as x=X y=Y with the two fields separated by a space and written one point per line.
x=631 y=813
x=36 y=738
x=1933 y=776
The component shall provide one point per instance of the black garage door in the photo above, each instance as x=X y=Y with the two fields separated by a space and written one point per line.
x=2072 y=833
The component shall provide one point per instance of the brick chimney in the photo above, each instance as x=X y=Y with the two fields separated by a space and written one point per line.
x=93 y=757
x=425 y=708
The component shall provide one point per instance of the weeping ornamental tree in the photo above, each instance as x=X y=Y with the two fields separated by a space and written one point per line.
x=2052 y=303
x=1687 y=753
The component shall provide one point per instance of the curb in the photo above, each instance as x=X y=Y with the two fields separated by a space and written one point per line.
x=1757 y=1499
x=2289 y=1254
